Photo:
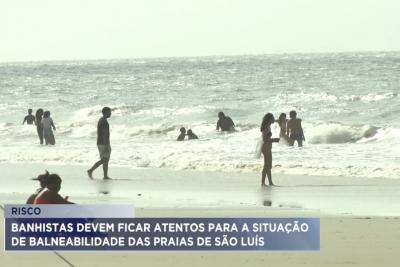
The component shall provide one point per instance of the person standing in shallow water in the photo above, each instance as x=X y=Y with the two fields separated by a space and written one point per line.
x=103 y=144
x=294 y=130
x=267 y=147
x=29 y=119
x=48 y=124
x=225 y=123
x=39 y=125
x=282 y=121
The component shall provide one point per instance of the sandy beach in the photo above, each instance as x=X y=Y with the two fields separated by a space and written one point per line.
x=165 y=189
x=175 y=100
x=344 y=242
x=359 y=217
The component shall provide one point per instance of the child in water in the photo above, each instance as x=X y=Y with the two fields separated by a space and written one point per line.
x=181 y=137
x=48 y=124
x=191 y=135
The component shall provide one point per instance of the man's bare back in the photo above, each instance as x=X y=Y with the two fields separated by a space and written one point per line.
x=294 y=130
x=294 y=127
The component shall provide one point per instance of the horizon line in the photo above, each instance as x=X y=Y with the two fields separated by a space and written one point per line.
x=200 y=56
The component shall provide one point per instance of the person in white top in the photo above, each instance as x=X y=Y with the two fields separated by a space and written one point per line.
x=48 y=125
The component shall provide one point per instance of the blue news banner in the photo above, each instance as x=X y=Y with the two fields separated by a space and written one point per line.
x=114 y=228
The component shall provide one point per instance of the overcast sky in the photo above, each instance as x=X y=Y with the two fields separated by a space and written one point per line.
x=99 y=29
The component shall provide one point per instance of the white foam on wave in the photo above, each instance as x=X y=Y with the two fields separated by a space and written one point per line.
x=145 y=122
x=377 y=97
x=82 y=124
x=152 y=102
x=328 y=150
x=161 y=112
x=225 y=153
x=384 y=134
x=309 y=97
x=335 y=133
x=16 y=131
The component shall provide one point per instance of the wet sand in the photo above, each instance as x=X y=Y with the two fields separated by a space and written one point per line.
x=359 y=217
x=159 y=189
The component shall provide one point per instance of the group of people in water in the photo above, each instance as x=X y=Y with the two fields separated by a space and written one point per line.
x=190 y=134
x=224 y=123
x=291 y=131
x=44 y=125
x=50 y=184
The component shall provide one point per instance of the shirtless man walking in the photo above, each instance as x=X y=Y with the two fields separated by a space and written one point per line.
x=103 y=144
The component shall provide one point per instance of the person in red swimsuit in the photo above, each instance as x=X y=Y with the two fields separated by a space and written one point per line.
x=50 y=195
x=42 y=178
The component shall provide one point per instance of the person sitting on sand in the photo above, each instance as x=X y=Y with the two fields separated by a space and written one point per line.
x=267 y=147
x=48 y=124
x=294 y=130
x=225 y=123
x=50 y=194
x=282 y=121
x=42 y=178
x=181 y=137
x=191 y=135
x=29 y=119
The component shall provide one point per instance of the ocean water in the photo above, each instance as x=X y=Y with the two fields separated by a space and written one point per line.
x=349 y=104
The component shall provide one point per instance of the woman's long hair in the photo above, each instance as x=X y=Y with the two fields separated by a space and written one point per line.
x=281 y=117
x=39 y=114
x=268 y=117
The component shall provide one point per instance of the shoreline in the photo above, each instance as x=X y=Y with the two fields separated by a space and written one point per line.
x=161 y=189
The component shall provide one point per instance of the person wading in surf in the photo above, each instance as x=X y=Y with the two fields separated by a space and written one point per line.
x=225 y=123
x=29 y=119
x=294 y=130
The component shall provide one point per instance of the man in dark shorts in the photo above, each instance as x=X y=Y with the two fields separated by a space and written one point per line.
x=103 y=143
x=29 y=119
x=294 y=130
x=225 y=123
